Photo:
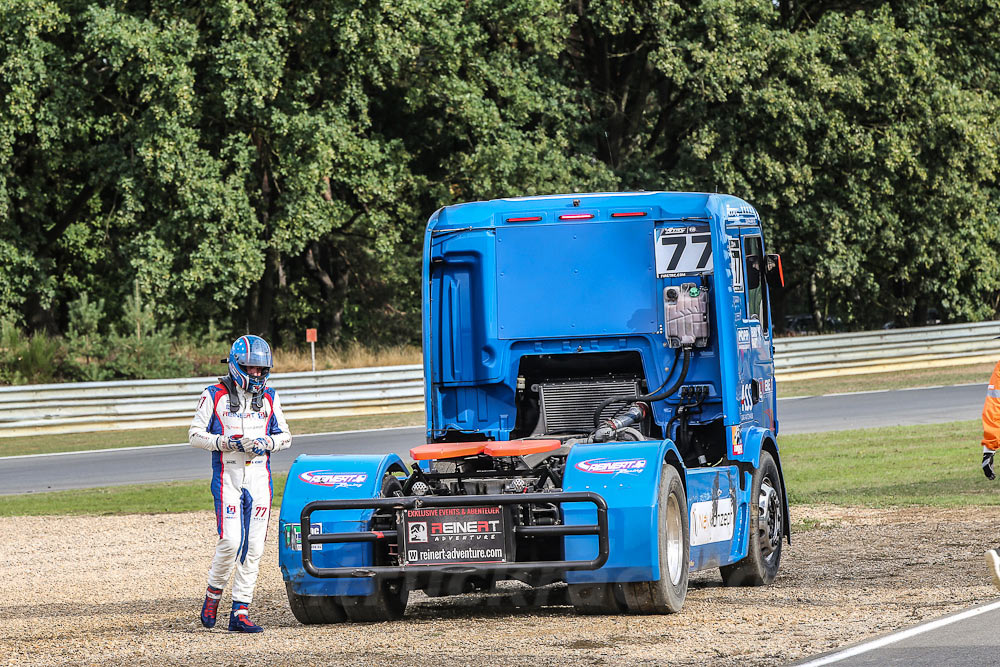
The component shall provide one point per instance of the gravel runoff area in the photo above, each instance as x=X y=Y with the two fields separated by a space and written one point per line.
x=128 y=589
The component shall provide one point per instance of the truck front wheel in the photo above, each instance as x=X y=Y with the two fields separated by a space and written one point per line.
x=388 y=602
x=766 y=524
x=314 y=609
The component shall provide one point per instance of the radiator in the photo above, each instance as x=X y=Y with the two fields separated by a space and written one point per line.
x=568 y=407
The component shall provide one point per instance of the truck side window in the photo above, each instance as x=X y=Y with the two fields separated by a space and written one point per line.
x=753 y=251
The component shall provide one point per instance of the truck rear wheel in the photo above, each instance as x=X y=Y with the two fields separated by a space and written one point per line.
x=388 y=602
x=314 y=609
x=666 y=596
x=766 y=526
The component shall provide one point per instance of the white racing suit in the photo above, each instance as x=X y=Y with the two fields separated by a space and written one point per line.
x=241 y=481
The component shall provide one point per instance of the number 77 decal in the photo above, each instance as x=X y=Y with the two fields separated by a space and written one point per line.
x=684 y=250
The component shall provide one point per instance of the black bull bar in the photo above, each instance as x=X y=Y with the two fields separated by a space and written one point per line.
x=600 y=530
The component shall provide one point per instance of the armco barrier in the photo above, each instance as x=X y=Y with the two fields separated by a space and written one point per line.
x=97 y=406
x=809 y=357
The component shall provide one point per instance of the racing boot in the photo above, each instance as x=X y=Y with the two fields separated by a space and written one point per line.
x=993 y=563
x=239 y=619
x=210 y=608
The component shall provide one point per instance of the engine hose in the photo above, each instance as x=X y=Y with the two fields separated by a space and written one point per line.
x=616 y=399
x=683 y=411
x=670 y=423
x=680 y=380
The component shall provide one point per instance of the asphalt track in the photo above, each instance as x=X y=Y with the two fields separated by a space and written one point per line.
x=138 y=465
x=964 y=639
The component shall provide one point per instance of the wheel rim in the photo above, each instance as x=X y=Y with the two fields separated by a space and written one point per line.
x=674 y=540
x=769 y=519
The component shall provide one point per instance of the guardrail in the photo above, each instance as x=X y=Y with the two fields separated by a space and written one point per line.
x=98 y=406
x=811 y=357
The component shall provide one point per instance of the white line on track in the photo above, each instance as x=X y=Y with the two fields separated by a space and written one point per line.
x=108 y=450
x=899 y=636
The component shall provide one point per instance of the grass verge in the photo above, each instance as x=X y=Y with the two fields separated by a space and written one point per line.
x=934 y=465
x=930 y=377
x=168 y=497
x=351 y=355
x=78 y=442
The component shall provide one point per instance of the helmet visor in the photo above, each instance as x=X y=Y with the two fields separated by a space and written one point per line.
x=258 y=354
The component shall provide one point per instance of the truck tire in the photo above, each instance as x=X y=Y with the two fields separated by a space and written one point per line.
x=314 y=609
x=388 y=602
x=766 y=526
x=666 y=596
x=595 y=599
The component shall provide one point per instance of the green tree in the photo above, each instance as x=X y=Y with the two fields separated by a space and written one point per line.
x=267 y=165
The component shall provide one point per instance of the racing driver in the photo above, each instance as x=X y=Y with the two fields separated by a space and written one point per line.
x=239 y=420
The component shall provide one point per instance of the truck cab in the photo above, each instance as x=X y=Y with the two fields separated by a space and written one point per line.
x=610 y=357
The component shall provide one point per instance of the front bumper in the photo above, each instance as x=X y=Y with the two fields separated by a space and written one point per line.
x=600 y=530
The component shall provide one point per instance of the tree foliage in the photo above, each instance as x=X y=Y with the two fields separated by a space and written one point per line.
x=266 y=165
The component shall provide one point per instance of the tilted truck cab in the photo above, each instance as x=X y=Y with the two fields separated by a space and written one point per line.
x=601 y=410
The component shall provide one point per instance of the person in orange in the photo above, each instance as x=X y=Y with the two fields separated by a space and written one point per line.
x=991 y=442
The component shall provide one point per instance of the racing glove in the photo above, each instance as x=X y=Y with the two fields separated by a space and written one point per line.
x=262 y=445
x=233 y=443
x=988 y=464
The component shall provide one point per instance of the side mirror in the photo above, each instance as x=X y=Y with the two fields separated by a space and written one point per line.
x=775 y=274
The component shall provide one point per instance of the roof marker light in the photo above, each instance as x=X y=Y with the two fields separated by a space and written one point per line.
x=576 y=216
x=527 y=218
x=630 y=214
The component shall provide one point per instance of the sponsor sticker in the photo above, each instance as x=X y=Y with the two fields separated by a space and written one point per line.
x=736 y=264
x=230 y=510
x=756 y=336
x=712 y=521
x=736 y=212
x=743 y=338
x=746 y=397
x=612 y=466
x=335 y=479
x=737 y=442
x=439 y=535
x=293 y=536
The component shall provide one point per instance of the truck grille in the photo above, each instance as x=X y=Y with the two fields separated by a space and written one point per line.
x=568 y=407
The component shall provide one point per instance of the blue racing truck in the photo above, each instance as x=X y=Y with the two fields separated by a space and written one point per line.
x=600 y=401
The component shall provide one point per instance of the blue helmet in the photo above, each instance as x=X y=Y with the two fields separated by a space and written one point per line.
x=250 y=351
